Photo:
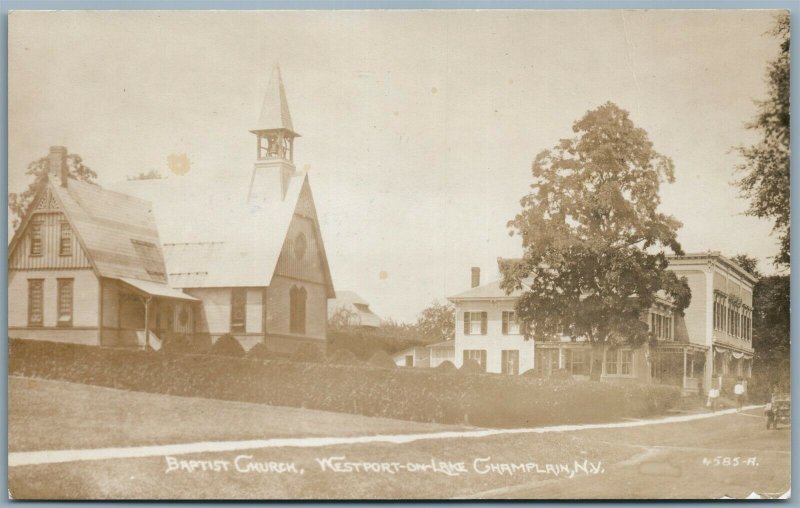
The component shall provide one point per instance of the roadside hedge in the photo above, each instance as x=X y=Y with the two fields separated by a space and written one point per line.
x=227 y=345
x=431 y=395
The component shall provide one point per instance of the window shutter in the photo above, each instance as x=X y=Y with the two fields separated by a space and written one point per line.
x=466 y=323
x=484 y=317
x=505 y=323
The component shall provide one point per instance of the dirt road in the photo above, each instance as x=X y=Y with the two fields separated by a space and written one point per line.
x=691 y=456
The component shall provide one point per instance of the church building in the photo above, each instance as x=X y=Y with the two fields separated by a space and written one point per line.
x=175 y=259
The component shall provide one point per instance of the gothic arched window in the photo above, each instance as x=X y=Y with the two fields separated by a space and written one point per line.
x=297 y=310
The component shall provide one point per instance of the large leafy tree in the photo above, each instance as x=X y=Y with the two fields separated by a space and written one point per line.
x=748 y=263
x=18 y=203
x=771 y=325
x=594 y=242
x=771 y=329
x=765 y=180
x=437 y=322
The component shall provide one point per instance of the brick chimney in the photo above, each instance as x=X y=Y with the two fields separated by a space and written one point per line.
x=57 y=164
x=476 y=276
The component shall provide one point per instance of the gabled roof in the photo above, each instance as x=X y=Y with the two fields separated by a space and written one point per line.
x=350 y=301
x=348 y=298
x=488 y=291
x=117 y=232
x=212 y=237
x=275 y=109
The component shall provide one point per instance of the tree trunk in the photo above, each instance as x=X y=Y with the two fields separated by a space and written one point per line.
x=596 y=367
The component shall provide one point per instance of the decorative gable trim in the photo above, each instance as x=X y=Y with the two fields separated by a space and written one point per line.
x=19 y=234
x=47 y=202
x=46 y=197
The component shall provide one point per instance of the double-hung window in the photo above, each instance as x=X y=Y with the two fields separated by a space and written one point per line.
x=475 y=323
x=612 y=363
x=661 y=326
x=510 y=361
x=36 y=235
x=238 y=310
x=65 y=239
x=626 y=363
x=619 y=362
x=510 y=323
x=719 y=311
x=65 y=300
x=476 y=355
x=577 y=361
x=35 y=302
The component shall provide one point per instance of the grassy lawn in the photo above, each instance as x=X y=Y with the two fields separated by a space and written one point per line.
x=147 y=478
x=93 y=417
x=422 y=395
x=659 y=461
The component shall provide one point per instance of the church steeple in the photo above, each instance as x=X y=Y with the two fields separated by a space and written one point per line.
x=275 y=135
x=274 y=132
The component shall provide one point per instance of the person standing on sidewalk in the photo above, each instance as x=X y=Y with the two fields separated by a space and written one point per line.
x=713 y=395
x=738 y=390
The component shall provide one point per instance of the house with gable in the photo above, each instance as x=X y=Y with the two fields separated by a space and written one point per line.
x=241 y=256
x=487 y=329
x=709 y=345
x=86 y=266
x=354 y=308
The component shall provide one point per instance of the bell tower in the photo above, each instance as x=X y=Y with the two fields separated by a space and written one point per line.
x=275 y=134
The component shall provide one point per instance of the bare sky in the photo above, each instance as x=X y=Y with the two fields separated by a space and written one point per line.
x=418 y=128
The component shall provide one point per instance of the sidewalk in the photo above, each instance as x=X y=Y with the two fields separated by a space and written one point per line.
x=17 y=459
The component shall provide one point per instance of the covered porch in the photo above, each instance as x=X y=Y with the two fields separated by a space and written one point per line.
x=148 y=314
x=730 y=364
x=679 y=364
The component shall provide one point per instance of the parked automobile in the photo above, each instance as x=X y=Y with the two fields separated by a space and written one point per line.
x=778 y=410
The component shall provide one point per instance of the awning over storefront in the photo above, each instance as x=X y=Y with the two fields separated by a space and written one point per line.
x=157 y=289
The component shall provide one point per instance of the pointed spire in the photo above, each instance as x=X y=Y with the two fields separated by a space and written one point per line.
x=275 y=110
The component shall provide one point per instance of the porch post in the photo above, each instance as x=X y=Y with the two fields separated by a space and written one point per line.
x=146 y=322
x=708 y=370
x=684 y=368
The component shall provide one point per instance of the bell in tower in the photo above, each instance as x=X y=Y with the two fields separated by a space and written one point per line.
x=275 y=134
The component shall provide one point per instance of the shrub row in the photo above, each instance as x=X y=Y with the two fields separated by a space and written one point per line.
x=365 y=342
x=434 y=395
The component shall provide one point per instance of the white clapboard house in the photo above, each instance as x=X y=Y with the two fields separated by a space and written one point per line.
x=710 y=344
x=155 y=259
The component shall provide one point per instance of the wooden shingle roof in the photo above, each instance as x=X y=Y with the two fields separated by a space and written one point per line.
x=117 y=232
